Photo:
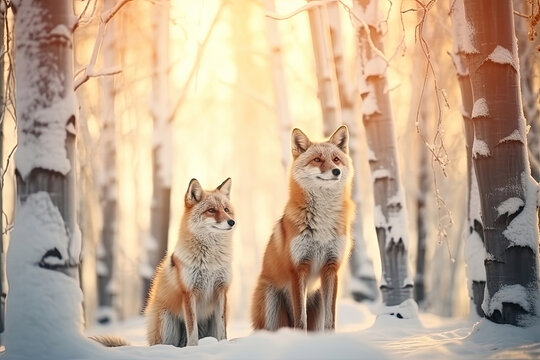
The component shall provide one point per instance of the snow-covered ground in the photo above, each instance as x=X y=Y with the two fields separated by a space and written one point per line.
x=359 y=335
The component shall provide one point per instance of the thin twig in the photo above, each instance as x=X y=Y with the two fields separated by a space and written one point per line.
x=197 y=62
x=89 y=72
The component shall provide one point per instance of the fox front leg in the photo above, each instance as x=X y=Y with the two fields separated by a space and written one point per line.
x=220 y=314
x=329 y=293
x=190 y=317
x=299 y=296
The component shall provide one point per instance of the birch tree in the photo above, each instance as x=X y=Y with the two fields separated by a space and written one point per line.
x=363 y=284
x=156 y=242
x=43 y=255
x=508 y=193
x=3 y=284
x=108 y=181
x=474 y=231
x=390 y=211
x=529 y=58
x=280 y=86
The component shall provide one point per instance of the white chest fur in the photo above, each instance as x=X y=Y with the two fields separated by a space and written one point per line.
x=319 y=242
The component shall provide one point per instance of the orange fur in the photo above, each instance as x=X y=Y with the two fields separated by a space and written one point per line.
x=280 y=271
x=181 y=288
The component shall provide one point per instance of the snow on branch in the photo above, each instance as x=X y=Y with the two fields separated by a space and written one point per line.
x=88 y=71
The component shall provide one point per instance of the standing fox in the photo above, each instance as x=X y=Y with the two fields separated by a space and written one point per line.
x=310 y=240
x=188 y=297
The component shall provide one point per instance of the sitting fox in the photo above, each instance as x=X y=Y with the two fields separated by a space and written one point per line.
x=188 y=297
x=309 y=242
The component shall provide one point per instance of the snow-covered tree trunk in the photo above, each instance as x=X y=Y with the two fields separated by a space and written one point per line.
x=108 y=182
x=156 y=242
x=529 y=59
x=3 y=283
x=324 y=68
x=390 y=211
x=508 y=193
x=363 y=283
x=280 y=86
x=473 y=231
x=44 y=301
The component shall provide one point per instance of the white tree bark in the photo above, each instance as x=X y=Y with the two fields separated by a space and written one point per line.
x=43 y=256
x=280 y=86
x=508 y=193
x=162 y=151
x=474 y=244
x=108 y=181
x=390 y=209
x=363 y=283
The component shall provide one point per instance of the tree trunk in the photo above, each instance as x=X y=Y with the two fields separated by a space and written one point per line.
x=43 y=256
x=508 y=193
x=474 y=232
x=529 y=58
x=157 y=241
x=390 y=211
x=280 y=86
x=3 y=283
x=108 y=183
x=324 y=68
x=363 y=283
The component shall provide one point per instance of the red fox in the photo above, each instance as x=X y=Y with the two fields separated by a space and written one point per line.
x=309 y=242
x=188 y=296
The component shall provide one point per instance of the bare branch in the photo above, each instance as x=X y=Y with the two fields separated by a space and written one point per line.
x=197 y=61
x=83 y=19
x=89 y=71
x=310 y=5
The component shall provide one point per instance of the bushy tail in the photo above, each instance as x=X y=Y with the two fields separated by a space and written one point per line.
x=110 y=340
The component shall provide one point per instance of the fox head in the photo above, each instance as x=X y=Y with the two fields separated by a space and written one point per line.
x=324 y=165
x=209 y=210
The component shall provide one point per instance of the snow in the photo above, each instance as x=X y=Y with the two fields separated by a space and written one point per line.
x=516 y=294
x=522 y=230
x=462 y=29
x=369 y=102
x=371 y=155
x=501 y=55
x=514 y=136
x=375 y=66
x=510 y=206
x=380 y=174
x=360 y=334
x=480 y=108
x=480 y=149
x=63 y=31
x=370 y=15
x=42 y=115
x=475 y=254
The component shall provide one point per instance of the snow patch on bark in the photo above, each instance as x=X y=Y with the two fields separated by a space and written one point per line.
x=375 y=66
x=463 y=30
x=510 y=206
x=480 y=149
x=371 y=155
x=501 y=55
x=475 y=253
x=464 y=112
x=523 y=229
x=513 y=294
x=380 y=174
x=371 y=14
x=480 y=108
x=514 y=136
x=369 y=102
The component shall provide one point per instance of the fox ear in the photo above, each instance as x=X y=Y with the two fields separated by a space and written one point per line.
x=194 y=192
x=340 y=138
x=225 y=187
x=299 y=142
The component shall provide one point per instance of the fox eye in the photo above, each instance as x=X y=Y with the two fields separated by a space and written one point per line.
x=211 y=210
x=317 y=159
x=227 y=210
x=336 y=160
